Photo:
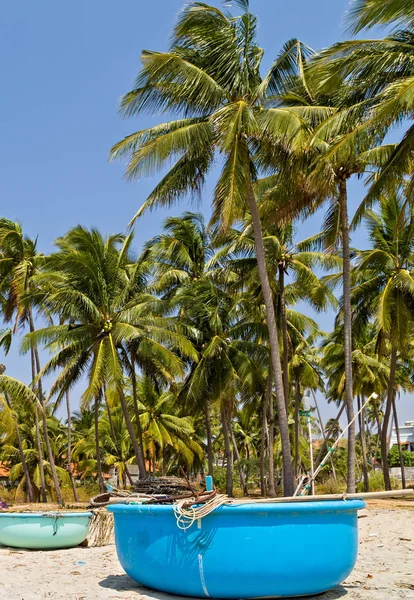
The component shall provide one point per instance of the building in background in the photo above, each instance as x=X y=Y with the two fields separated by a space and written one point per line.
x=406 y=432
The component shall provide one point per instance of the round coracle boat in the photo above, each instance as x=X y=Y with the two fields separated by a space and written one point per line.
x=44 y=531
x=245 y=550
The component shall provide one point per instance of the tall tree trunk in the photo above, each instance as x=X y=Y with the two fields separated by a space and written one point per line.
x=72 y=481
x=349 y=393
x=270 y=404
x=387 y=414
x=363 y=445
x=98 y=447
x=237 y=453
x=109 y=413
x=263 y=437
x=297 y=402
x=227 y=450
x=47 y=437
x=397 y=431
x=285 y=335
x=128 y=474
x=135 y=399
x=38 y=436
x=136 y=447
x=325 y=439
x=207 y=419
x=44 y=418
x=29 y=488
x=288 y=483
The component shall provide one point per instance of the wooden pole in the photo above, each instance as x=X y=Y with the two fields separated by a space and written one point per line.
x=362 y=496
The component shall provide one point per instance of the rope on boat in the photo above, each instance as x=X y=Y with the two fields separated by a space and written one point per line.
x=187 y=513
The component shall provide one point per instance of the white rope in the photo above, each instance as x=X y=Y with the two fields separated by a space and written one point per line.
x=187 y=516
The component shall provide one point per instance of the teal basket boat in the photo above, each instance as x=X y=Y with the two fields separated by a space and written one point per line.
x=250 y=550
x=44 y=531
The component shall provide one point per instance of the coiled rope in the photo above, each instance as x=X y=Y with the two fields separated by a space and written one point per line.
x=187 y=513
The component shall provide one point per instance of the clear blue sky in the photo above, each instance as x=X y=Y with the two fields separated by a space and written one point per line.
x=64 y=66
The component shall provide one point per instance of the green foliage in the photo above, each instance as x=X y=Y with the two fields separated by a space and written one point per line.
x=394 y=457
x=376 y=483
x=172 y=347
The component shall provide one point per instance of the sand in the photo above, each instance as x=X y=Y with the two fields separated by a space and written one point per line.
x=385 y=567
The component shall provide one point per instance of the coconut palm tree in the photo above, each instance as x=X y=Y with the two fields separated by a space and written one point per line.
x=381 y=75
x=19 y=263
x=385 y=291
x=5 y=343
x=179 y=258
x=165 y=431
x=180 y=255
x=229 y=367
x=210 y=78
x=326 y=170
x=89 y=285
x=291 y=269
x=19 y=406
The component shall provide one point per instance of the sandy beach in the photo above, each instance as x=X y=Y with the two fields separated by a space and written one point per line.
x=385 y=567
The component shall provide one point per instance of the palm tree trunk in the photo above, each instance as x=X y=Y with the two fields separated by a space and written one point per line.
x=38 y=437
x=136 y=447
x=164 y=462
x=109 y=413
x=387 y=414
x=397 y=431
x=128 y=474
x=135 y=400
x=227 y=450
x=285 y=335
x=324 y=446
x=44 y=417
x=207 y=418
x=237 y=453
x=75 y=493
x=297 y=401
x=288 y=484
x=349 y=393
x=263 y=445
x=98 y=447
x=363 y=445
x=271 y=481
x=47 y=437
x=26 y=472
x=325 y=439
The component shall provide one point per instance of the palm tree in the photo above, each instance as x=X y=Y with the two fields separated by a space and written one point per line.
x=385 y=291
x=10 y=415
x=305 y=367
x=287 y=261
x=19 y=263
x=165 y=431
x=381 y=75
x=180 y=255
x=228 y=366
x=179 y=258
x=211 y=77
x=89 y=285
x=325 y=168
x=18 y=402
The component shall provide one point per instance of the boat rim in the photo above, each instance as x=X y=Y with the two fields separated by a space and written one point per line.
x=46 y=514
x=251 y=507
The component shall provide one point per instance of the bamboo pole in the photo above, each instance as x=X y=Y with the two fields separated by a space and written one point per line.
x=324 y=497
x=373 y=396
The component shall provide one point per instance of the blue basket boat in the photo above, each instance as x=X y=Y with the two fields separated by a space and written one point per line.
x=246 y=550
x=44 y=531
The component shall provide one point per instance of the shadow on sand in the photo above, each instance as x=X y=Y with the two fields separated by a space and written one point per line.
x=125 y=583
